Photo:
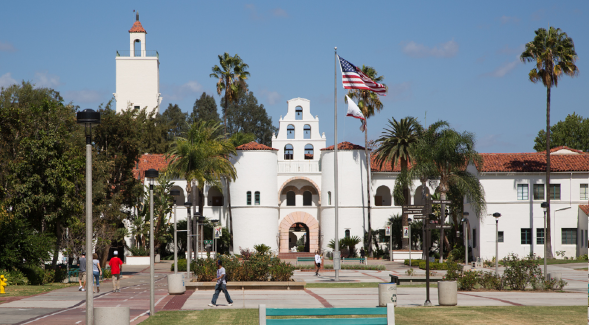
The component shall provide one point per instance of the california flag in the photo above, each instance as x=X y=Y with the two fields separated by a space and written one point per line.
x=355 y=112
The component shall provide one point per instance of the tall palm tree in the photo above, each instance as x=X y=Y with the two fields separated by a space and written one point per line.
x=396 y=145
x=554 y=54
x=202 y=158
x=231 y=76
x=369 y=103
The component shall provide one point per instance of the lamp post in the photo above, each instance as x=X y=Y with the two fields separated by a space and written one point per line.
x=197 y=219
x=409 y=229
x=544 y=206
x=188 y=205
x=175 y=193
x=465 y=233
x=496 y=215
x=89 y=117
x=151 y=174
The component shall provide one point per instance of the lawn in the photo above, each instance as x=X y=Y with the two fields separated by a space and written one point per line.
x=556 y=261
x=406 y=315
x=29 y=290
x=365 y=285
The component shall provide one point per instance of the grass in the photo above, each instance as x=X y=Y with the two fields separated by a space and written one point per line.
x=555 y=261
x=582 y=269
x=29 y=290
x=403 y=315
x=364 y=285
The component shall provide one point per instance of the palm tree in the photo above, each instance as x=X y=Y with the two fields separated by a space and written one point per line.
x=554 y=54
x=369 y=103
x=202 y=158
x=231 y=77
x=396 y=145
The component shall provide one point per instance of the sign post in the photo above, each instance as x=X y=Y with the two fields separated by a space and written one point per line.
x=388 y=233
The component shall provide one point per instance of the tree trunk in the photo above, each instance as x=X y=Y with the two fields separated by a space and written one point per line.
x=226 y=106
x=407 y=201
x=548 y=237
x=58 y=233
x=368 y=171
x=230 y=216
x=201 y=202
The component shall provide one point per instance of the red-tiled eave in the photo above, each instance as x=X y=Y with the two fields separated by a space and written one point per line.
x=533 y=162
x=345 y=146
x=387 y=167
x=555 y=149
x=137 y=28
x=254 y=146
x=585 y=209
x=149 y=161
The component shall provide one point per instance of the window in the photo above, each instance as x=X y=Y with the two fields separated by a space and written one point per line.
x=526 y=236
x=137 y=107
x=249 y=198
x=329 y=198
x=584 y=191
x=288 y=152
x=257 y=198
x=290 y=199
x=500 y=236
x=538 y=191
x=522 y=191
x=290 y=131
x=307 y=131
x=555 y=191
x=307 y=198
x=215 y=197
x=539 y=236
x=569 y=236
x=474 y=238
x=299 y=113
x=309 y=151
x=382 y=196
x=347 y=233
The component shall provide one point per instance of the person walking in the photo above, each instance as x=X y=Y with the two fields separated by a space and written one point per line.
x=96 y=271
x=82 y=272
x=317 y=262
x=116 y=268
x=220 y=286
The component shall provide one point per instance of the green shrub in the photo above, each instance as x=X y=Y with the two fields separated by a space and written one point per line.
x=139 y=251
x=205 y=269
x=280 y=271
x=456 y=254
x=262 y=249
x=106 y=273
x=35 y=274
x=582 y=257
x=434 y=265
x=14 y=277
x=413 y=261
x=491 y=281
x=520 y=272
x=454 y=272
x=468 y=280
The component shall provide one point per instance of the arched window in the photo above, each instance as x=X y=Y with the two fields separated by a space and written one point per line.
x=299 y=113
x=347 y=233
x=290 y=131
x=288 y=152
x=290 y=199
x=307 y=198
x=215 y=197
x=249 y=198
x=257 y=198
x=329 y=198
x=307 y=131
x=382 y=196
x=309 y=151
x=137 y=48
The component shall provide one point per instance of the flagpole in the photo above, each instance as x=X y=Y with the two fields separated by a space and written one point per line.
x=336 y=254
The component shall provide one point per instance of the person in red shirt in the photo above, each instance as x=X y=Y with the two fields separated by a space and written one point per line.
x=116 y=267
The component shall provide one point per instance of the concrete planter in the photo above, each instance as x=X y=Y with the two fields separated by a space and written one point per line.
x=111 y=316
x=447 y=293
x=137 y=260
x=176 y=284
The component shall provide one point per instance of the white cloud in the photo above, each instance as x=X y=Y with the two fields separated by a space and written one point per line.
x=279 y=12
x=442 y=50
x=180 y=92
x=272 y=97
x=83 y=96
x=7 y=47
x=507 y=19
x=6 y=80
x=504 y=69
x=44 y=79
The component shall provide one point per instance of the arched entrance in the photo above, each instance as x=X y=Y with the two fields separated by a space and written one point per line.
x=299 y=220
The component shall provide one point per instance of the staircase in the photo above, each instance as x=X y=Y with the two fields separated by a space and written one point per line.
x=292 y=256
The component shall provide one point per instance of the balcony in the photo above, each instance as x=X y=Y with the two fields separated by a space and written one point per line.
x=310 y=166
x=138 y=54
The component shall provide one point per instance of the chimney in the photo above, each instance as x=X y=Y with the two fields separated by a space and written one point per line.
x=137 y=16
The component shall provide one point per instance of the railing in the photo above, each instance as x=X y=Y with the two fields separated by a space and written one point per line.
x=310 y=166
x=147 y=53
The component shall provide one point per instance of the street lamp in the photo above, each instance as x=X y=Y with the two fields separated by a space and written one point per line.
x=409 y=229
x=88 y=117
x=496 y=215
x=151 y=175
x=175 y=193
x=188 y=205
x=465 y=233
x=544 y=206
x=199 y=219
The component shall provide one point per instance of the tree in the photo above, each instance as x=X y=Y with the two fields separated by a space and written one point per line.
x=554 y=54
x=369 y=103
x=396 y=145
x=573 y=132
x=202 y=158
x=231 y=79
x=175 y=121
x=246 y=116
x=204 y=109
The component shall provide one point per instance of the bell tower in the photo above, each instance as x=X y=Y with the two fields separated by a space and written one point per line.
x=137 y=73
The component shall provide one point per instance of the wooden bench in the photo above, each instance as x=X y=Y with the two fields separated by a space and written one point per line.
x=361 y=259
x=305 y=259
x=388 y=314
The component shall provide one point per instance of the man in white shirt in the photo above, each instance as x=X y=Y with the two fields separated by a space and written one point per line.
x=221 y=286
x=317 y=262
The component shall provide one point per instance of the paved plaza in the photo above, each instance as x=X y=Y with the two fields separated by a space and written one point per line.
x=67 y=306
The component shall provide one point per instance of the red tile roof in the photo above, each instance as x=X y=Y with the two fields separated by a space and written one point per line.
x=385 y=167
x=564 y=148
x=533 y=162
x=345 y=146
x=585 y=209
x=254 y=146
x=148 y=161
x=137 y=28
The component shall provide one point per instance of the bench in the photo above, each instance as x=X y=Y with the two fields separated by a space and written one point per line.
x=388 y=314
x=361 y=259
x=305 y=259
x=73 y=272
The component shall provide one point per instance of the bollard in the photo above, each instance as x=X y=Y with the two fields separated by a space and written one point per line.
x=3 y=283
x=111 y=316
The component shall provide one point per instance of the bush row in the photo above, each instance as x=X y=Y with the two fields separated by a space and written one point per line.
x=434 y=265
x=34 y=275
x=413 y=262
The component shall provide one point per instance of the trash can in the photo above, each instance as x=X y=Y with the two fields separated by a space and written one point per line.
x=111 y=316
x=395 y=279
x=387 y=293
x=447 y=293
x=176 y=284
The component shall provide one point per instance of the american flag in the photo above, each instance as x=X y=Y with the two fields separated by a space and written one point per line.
x=353 y=78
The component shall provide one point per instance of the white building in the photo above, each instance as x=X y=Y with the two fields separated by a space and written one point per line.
x=137 y=73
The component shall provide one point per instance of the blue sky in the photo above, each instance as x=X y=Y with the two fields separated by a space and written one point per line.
x=457 y=61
